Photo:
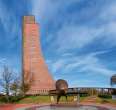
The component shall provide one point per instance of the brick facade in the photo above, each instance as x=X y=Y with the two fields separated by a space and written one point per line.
x=35 y=71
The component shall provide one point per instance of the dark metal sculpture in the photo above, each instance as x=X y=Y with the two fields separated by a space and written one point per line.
x=113 y=79
x=61 y=88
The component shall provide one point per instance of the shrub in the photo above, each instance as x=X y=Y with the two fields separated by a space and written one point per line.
x=3 y=99
x=105 y=96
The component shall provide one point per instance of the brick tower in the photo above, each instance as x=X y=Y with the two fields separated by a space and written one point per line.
x=35 y=71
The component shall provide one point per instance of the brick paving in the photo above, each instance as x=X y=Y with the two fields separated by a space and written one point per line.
x=15 y=106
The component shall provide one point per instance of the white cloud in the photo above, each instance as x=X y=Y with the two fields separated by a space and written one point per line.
x=4 y=20
x=89 y=63
x=3 y=60
x=10 y=25
x=108 y=12
x=72 y=35
x=2 y=63
x=13 y=63
x=45 y=10
x=56 y=65
x=110 y=34
x=76 y=36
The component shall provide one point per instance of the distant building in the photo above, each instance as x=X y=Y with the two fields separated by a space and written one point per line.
x=113 y=80
x=35 y=71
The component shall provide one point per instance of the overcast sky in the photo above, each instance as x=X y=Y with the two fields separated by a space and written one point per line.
x=78 y=38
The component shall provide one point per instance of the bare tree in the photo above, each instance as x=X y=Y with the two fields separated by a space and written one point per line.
x=24 y=88
x=26 y=83
x=6 y=80
x=15 y=86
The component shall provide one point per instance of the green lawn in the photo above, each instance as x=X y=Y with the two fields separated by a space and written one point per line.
x=35 y=99
x=46 y=99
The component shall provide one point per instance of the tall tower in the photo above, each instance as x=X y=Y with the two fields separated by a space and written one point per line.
x=35 y=71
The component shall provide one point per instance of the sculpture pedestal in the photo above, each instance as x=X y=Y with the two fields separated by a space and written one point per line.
x=52 y=99
x=77 y=98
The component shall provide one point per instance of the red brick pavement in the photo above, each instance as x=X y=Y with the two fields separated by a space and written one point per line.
x=14 y=106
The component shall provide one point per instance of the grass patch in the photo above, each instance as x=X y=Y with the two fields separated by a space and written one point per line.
x=46 y=99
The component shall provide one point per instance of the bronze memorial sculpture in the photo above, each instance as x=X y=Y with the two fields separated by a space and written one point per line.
x=63 y=90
